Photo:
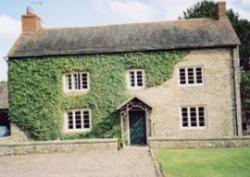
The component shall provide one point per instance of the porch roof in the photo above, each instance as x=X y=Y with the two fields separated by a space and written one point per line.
x=134 y=99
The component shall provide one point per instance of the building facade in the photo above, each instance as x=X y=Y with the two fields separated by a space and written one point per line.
x=177 y=79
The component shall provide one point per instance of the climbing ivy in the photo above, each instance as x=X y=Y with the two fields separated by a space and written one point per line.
x=37 y=101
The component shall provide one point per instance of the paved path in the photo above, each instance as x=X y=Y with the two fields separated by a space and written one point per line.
x=129 y=162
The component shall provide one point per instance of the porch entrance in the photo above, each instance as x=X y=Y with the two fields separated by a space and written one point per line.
x=135 y=121
x=137 y=127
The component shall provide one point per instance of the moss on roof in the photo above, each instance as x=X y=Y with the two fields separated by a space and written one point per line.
x=166 y=35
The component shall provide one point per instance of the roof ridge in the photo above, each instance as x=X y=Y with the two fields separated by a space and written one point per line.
x=130 y=23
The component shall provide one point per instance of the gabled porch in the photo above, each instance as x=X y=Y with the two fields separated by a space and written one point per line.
x=135 y=121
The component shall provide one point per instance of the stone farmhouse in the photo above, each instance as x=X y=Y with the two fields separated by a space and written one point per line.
x=138 y=81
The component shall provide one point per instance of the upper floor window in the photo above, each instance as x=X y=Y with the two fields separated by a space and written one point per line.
x=136 y=79
x=190 y=76
x=77 y=120
x=77 y=81
x=193 y=117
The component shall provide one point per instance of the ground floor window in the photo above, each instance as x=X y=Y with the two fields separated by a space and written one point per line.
x=77 y=120
x=193 y=116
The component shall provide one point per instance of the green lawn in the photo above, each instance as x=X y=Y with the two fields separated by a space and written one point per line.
x=205 y=162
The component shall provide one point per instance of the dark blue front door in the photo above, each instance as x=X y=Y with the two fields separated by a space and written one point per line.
x=137 y=127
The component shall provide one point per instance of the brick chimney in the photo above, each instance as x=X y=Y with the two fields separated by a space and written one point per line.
x=220 y=10
x=30 y=22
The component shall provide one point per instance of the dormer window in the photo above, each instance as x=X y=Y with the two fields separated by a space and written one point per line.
x=136 y=79
x=77 y=81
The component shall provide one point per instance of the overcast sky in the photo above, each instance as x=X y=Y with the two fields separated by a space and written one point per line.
x=71 y=13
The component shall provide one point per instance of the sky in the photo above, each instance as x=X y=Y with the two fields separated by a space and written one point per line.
x=72 y=13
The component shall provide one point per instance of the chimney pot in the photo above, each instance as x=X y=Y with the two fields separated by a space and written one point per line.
x=29 y=10
x=30 y=21
x=220 y=10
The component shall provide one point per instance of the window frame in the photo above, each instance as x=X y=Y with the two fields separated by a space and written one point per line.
x=189 y=127
x=73 y=90
x=74 y=129
x=136 y=87
x=195 y=76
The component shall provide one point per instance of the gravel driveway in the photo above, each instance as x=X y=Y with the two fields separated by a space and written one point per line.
x=129 y=162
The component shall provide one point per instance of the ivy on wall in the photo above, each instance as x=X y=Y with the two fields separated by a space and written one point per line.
x=37 y=101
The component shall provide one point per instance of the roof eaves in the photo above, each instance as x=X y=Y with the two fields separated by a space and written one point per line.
x=55 y=53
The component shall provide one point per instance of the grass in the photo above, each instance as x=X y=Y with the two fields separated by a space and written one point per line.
x=205 y=162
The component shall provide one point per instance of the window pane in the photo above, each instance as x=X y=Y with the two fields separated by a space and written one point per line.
x=190 y=75
x=132 y=78
x=139 y=78
x=202 y=124
x=201 y=111
x=198 y=75
x=69 y=81
x=70 y=120
x=193 y=117
x=201 y=116
x=184 y=112
x=79 y=80
x=182 y=76
x=76 y=81
x=78 y=120
x=86 y=119
x=84 y=80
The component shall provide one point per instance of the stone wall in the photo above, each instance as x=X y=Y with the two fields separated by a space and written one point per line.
x=216 y=94
x=58 y=146
x=200 y=143
x=16 y=135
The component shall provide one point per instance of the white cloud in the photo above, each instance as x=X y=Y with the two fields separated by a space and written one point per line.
x=132 y=10
x=172 y=9
x=242 y=13
x=10 y=29
x=9 y=26
x=139 y=10
x=240 y=6
x=245 y=2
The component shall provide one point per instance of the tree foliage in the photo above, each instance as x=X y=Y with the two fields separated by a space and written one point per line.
x=201 y=9
x=245 y=89
x=37 y=101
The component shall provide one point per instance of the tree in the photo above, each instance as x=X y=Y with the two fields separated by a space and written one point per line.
x=245 y=89
x=201 y=9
